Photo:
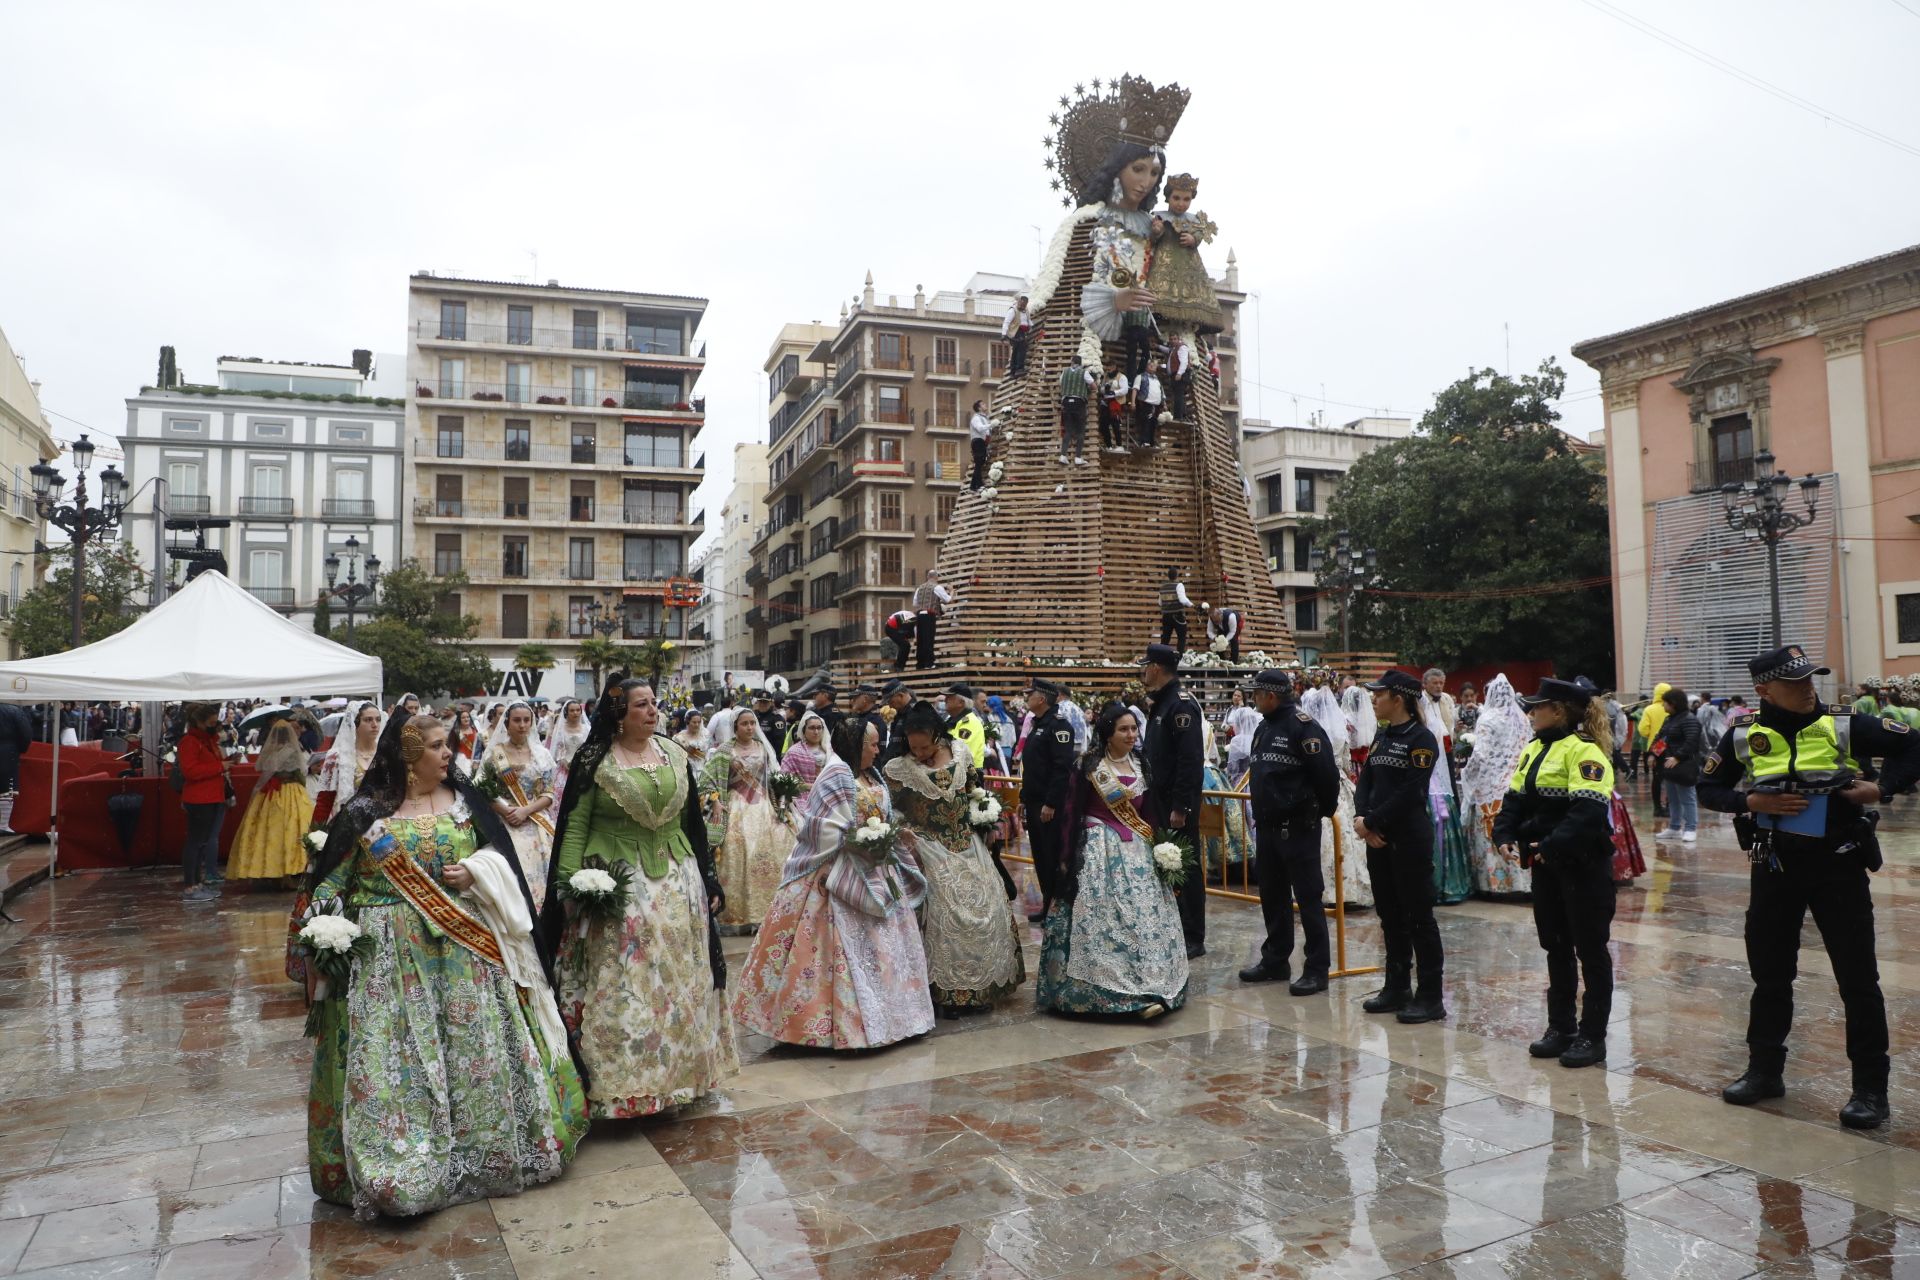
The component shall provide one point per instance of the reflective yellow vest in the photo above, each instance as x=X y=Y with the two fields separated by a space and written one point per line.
x=1575 y=768
x=1820 y=755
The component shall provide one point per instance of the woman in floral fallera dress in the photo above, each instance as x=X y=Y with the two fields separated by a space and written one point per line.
x=972 y=940
x=644 y=998
x=1113 y=942
x=750 y=842
x=520 y=773
x=441 y=1074
x=838 y=963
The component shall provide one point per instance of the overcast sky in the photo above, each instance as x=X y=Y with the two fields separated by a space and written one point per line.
x=1399 y=180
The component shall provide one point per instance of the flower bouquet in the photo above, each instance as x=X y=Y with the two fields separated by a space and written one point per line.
x=599 y=891
x=488 y=783
x=785 y=788
x=1219 y=644
x=1174 y=859
x=331 y=943
x=875 y=839
x=983 y=811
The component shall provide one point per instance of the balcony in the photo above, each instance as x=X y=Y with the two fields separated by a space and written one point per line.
x=846 y=370
x=347 y=508
x=902 y=363
x=643 y=342
x=756 y=617
x=278 y=597
x=899 y=415
x=958 y=369
x=189 y=504
x=756 y=574
x=862 y=525
x=445 y=562
x=605 y=457
x=883 y=469
x=1709 y=477
x=579 y=570
x=270 y=508
x=530 y=395
x=823 y=485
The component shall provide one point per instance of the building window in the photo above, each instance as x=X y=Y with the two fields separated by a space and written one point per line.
x=586 y=330
x=1302 y=551
x=519 y=440
x=520 y=329
x=653 y=391
x=513 y=497
x=451 y=440
x=513 y=617
x=1274 y=489
x=783 y=373
x=447 y=495
x=651 y=619
x=820 y=646
x=886 y=449
x=1276 y=549
x=655 y=335
x=513 y=556
x=1906 y=616
x=892 y=405
x=453 y=321
x=1731 y=440
x=350 y=485
x=892 y=351
x=579 y=616
x=893 y=568
x=453 y=379
x=1303 y=491
x=519 y=381
x=448 y=604
x=999 y=358
x=946 y=356
x=643 y=503
x=584 y=443
x=269 y=480
x=446 y=554
x=580 y=558
x=1306 y=614
x=650 y=559
x=349 y=435
x=580 y=500
x=263 y=569
x=942 y=513
x=889 y=517
x=946 y=408
x=653 y=446
x=584 y=388
x=946 y=460
x=269 y=430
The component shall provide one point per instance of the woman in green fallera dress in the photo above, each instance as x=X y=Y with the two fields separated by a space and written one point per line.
x=643 y=998
x=441 y=1073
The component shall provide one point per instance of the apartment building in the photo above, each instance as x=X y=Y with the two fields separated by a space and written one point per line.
x=553 y=456
x=1291 y=474
x=740 y=518
x=280 y=463
x=25 y=439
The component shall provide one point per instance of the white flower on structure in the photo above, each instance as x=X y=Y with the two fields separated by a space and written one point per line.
x=989 y=493
x=1168 y=857
x=591 y=880
x=997 y=472
x=330 y=933
x=1219 y=644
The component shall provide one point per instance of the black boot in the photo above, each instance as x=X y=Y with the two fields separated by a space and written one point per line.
x=1425 y=1006
x=1755 y=1086
x=1261 y=971
x=1551 y=1045
x=1584 y=1052
x=1393 y=997
x=1866 y=1109
x=1307 y=984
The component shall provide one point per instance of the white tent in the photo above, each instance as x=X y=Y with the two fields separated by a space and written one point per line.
x=210 y=640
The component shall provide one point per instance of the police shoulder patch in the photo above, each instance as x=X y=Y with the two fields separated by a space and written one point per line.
x=1303 y=717
x=1759 y=742
x=1894 y=726
x=1313 y=746
x=1182 y=720
x=1063 y=735
x=1592 y=770
x=1422 y=758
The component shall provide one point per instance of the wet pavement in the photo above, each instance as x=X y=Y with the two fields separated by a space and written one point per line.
x=153 y=1110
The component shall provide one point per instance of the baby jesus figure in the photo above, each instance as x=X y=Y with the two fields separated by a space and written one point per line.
x=1178 y=280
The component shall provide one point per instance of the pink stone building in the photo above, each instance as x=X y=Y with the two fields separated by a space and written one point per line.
x=1824 y=373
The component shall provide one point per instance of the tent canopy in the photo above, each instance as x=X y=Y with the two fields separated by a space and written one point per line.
x=210 y=640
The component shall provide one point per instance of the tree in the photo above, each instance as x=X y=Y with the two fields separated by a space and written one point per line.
x=600 y=654
x=1495 y=522
x=113 y=593
x=534 y=657
x=323 y=616
x=417 y=641
x=655 y=661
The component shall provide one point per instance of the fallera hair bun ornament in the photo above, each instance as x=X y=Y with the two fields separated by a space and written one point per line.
x=1090 y=124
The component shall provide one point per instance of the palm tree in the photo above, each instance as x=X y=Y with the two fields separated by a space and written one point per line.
x=601 y=654
x=534 y=657
x=656 y=659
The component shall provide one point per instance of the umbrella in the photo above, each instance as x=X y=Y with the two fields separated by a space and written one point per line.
x=333 y=704
x=263 y=717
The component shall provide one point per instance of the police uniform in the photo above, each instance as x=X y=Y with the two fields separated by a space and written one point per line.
x=1173 y=613
x=1822 y=869
x=1172 y=752
x=1295 y=785
x=1046 y=764
x=1556 y=813
x=1392 y=798
x=967 y=727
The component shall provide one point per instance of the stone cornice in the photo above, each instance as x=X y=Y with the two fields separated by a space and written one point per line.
x=1844 y=341
x=1830 y=303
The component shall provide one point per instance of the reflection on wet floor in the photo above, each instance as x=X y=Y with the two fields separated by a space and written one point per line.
x=153 y=1110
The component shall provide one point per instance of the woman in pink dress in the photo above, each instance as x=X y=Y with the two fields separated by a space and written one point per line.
x=809 y=754
x=838 y=962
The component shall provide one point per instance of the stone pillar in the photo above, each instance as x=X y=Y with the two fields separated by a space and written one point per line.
x=1852 y=459
x=1626 y=507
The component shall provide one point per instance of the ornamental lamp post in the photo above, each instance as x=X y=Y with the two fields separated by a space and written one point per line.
x=83 y=524
x=604 y=618
x=1352 y=568
x=352 y=591
x=1757 y=509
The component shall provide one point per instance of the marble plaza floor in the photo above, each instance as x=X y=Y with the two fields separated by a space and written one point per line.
x=153 y=1104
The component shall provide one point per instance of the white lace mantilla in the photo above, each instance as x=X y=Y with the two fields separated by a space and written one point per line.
x=935 y=782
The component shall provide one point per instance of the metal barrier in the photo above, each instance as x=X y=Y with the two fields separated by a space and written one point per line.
x=1007 y=790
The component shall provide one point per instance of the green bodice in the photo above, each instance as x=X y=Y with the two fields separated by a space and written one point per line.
x=434 y=844
x=631 y=815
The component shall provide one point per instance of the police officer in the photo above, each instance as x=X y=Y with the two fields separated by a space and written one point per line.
x=1295 y=786
x=898 y=698
x=1046 y=764
x=1554 y=819
x=1390 y=805
x=1175 y=736
x=1790 y=772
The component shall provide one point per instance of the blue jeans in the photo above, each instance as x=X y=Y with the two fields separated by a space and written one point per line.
x=1683 y=808
x=200 y=859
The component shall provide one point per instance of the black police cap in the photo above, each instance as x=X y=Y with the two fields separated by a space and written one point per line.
x=1273 y=680
x=1162 y=655
x=1577 y=692
x=1396 y=682
x=1046 y=688
x=1788 y=662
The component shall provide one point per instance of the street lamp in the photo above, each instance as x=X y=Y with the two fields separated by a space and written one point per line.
x=605 y=618
x=1352 y=569
x=83 y=524
x=1758 y=509
x=353 y=591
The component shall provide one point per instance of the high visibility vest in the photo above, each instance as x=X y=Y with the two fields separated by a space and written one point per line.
x=1574 y=768
x=1818 y=756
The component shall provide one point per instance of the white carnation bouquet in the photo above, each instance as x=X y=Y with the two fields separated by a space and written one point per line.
x=597 y=890
x=1219 y=644
x=785 y=788
x=317 y=839
x=331 y=942
x=1173 y=859
x=983 y=810
x=875 y=839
